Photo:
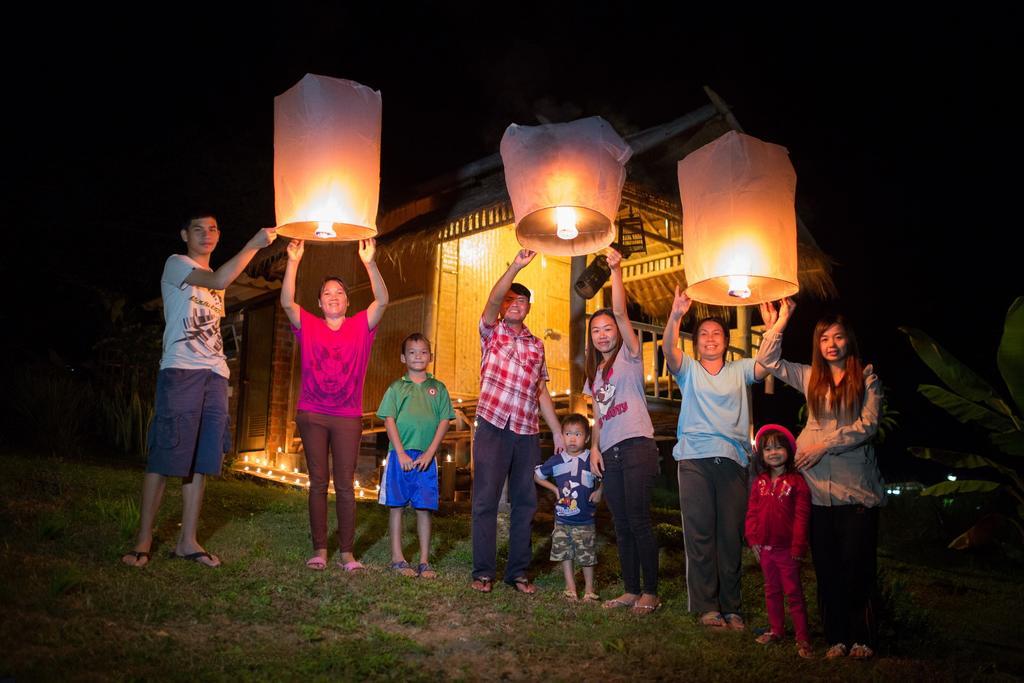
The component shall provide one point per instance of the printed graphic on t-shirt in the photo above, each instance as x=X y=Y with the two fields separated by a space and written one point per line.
x=604 y=397
x=567 y=505
x=201 y=329
x=330 y=371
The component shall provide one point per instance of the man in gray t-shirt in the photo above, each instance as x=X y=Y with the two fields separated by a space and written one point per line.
x=190 y=426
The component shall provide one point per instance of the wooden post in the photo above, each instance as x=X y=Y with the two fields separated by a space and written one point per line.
x=743 y=327
x=430 y=300
x=577 y=338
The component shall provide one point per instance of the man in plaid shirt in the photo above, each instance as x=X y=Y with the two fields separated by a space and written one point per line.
x=513 y=388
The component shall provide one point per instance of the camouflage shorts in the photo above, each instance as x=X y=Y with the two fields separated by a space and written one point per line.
x=572 y=542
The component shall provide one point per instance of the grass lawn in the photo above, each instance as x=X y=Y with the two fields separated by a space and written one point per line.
x=72 y=611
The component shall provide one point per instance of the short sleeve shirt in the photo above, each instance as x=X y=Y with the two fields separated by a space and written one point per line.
x=714 y=417
x=512 y=366
x=333 y=364
x=192 y=339
x=418 y=408
x=575 y=483
x=620 y=405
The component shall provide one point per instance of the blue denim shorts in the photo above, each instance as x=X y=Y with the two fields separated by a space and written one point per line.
x=191 y=431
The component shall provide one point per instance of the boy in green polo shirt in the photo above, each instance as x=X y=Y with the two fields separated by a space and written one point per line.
x=415 y=409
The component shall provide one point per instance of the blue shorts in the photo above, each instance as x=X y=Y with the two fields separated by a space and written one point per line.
x=401 y=488
x=191 y=430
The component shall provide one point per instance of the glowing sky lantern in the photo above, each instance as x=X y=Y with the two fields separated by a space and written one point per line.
x=739 y=221
x=565 y=181
x=327 y=159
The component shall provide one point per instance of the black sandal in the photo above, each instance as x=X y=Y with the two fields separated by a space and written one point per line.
x=138 y=555
x=521 y=584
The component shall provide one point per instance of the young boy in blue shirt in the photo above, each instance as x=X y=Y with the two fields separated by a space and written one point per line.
x=577 y=493
x=416 y=409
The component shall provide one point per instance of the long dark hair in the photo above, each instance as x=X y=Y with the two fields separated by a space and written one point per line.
x=848 y=395
x=593 y=359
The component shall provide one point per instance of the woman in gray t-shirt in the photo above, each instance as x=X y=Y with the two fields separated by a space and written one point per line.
x=622 y=444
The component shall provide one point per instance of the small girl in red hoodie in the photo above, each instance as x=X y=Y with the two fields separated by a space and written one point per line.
x=778 y=514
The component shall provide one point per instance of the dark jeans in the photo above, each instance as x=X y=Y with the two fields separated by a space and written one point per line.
x=713 y=498
x=844 y=542
x=341 y=435
x=497 y=454
x=630 y=468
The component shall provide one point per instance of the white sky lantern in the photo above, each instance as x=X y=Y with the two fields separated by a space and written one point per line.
x=739 y=221
x=565 y=181
x=327 y=159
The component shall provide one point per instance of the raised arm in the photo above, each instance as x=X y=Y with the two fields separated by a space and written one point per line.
x=501 y=287
x=670 y=337
x=291 y=309
x=375 y=311
x=629 y=339
x=229 y=271
x=769 y=354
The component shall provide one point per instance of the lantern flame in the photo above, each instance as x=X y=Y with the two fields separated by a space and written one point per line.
x=739 y=286
x=565 y=223
x=325 y=230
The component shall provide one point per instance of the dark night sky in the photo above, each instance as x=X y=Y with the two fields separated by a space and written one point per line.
x=896 y=128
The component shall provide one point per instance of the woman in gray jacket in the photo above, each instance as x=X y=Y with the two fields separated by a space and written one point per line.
x=835 y=455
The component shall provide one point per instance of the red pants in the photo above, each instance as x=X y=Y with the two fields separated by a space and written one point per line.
x=782 y=577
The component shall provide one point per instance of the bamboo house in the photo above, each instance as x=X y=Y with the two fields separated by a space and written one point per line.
x=440 y=252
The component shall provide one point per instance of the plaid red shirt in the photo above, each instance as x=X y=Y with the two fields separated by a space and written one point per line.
x=511 y=368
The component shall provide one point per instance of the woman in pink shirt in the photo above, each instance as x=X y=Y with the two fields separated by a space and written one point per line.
x=335 y=351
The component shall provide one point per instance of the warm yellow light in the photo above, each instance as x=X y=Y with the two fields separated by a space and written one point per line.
x=448 y=458
x=246 y=468
x=327 y=159
x=295 y=470
x=356 y=482
x=259 y=470
x=565 y=223
x=245 y=458
x=565 y=183
x=739 y=221
x=739 y=286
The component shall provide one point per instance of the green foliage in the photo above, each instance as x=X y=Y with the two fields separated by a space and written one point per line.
x=123 y=512
x=974 y=402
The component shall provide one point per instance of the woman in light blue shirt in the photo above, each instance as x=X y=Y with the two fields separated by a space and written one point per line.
x=712 y=451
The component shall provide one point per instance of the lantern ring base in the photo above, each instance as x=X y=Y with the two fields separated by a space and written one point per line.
x=539 y=231
x=343 y=232
x=715 y=291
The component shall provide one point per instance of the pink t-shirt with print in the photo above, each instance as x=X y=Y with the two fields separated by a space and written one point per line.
x=333 y=364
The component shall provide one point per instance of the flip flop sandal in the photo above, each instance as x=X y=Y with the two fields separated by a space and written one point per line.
x=616 y=603
x=138 y=555
x=316 y=563
x=402 y=568
x=425 y=571
x=570 y=595
x=735 y=622
x=712 y=620
x=353 y=566
x=591 y=597
x=195 y=557
x=484 y=584
x=521 y=584
x=645 y=609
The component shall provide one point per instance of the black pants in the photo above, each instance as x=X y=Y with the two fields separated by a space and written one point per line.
x=844 y=543
x=630 y=468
